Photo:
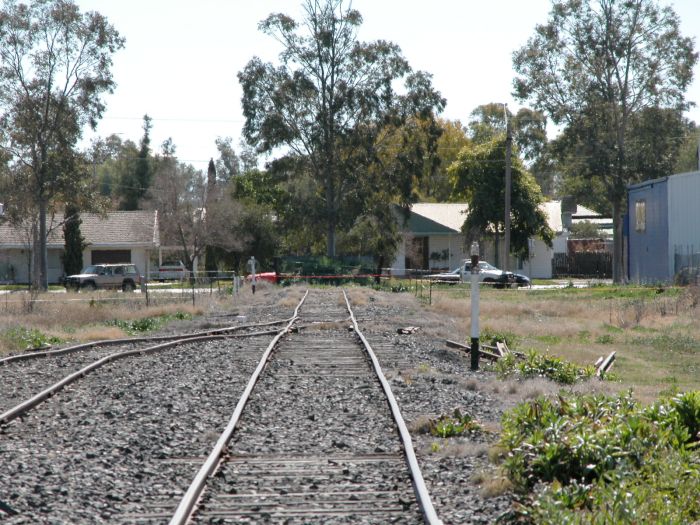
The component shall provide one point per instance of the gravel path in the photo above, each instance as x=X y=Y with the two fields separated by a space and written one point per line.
x=126 y=442
x=119 y=440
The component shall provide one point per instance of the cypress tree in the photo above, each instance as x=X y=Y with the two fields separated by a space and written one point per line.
x=74 y=242
x=210 y=252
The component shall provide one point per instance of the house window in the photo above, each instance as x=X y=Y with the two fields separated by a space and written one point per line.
x=640 y=216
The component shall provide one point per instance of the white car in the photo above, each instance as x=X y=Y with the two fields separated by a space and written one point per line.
x=487 y=274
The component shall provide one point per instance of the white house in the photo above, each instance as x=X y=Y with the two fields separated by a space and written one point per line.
x=120 y=236
x=433 y=240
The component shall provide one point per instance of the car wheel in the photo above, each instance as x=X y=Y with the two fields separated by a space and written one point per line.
x=489 y=281
x=128 y=286
x=89 y=286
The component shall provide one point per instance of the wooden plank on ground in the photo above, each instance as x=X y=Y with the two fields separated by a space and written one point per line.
x=502 y=348
x=483 y=353
x=606 y=364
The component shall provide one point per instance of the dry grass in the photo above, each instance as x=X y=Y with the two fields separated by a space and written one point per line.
x=361 y=296
x=654 y=333
x=79 y=317
x=290 y=297
x=420 y=425
x=97 y=333
x=327 y=326
x=497 y=485
x=492 y=482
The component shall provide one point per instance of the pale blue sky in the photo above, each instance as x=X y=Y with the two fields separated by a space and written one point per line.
x=181 y=58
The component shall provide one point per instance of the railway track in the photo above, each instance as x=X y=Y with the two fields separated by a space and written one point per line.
x=46 y=372
x=350 y=460
x=121 y=445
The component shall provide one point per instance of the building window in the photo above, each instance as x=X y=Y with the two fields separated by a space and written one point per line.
x=640 y=216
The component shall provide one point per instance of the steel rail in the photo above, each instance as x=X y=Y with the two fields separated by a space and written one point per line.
x=194 y=492
x=422 y=495
x=42 y=396
x=129 y=340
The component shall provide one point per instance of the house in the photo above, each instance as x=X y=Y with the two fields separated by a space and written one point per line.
x=120 y=236
x=433 y=240
x=663 y=222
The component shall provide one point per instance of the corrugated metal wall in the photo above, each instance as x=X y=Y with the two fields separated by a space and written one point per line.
x=648 y=247
x=683 y=220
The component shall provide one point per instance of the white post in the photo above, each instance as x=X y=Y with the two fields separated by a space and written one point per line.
x=475 y=306
x=251 y=266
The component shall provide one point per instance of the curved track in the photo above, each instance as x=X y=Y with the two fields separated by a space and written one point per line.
x=45 y=373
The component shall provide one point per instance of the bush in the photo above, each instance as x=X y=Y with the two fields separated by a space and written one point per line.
x=491 y=337
x=454 y=425
x=20 y=338
x=147 y=324
x=541 y=365
x=606 y=459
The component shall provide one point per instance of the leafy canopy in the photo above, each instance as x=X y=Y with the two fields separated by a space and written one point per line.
x=328 y=104
x=54 y=67
x=478 y=177
x=595 y=68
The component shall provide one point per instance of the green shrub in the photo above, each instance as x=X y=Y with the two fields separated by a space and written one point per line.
x=604 y=459
x=542 y=365
x=20 y=338
x=147 y=324
x=454 y=425
x=491 y=337
x=605 y=339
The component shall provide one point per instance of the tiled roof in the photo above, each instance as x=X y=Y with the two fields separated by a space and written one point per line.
x=116 y=228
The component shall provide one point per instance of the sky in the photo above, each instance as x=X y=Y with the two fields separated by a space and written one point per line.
x=181 y=58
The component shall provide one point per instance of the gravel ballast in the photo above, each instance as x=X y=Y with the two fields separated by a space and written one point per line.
x=123 y=443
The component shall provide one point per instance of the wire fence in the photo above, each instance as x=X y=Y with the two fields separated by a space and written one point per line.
x=192 y=286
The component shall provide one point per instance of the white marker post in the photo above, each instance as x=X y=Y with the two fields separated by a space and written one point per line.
x=251 y=268
x=475 y=306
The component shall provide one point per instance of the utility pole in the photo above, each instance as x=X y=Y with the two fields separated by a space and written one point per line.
x=509 y=142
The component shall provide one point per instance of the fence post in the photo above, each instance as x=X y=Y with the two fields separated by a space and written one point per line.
x=194 y=278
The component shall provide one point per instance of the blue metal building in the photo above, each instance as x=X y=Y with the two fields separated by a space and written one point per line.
x=663 y=228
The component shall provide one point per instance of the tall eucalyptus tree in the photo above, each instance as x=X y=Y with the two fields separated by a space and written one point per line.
x=595 y=68
x=328 y=103
x=54 y=66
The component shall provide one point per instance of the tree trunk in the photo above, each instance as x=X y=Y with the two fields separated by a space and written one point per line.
x=617 y=262
x=330 y=237
x=43 y=284
x=34 y=277
x=331 y=213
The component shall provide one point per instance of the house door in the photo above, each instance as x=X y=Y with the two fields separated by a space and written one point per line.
x=417 y=256
x=110 y=256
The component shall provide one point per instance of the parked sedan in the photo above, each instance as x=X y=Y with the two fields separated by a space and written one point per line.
x=522 y=280
x=487 y=274
x=454 y=276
